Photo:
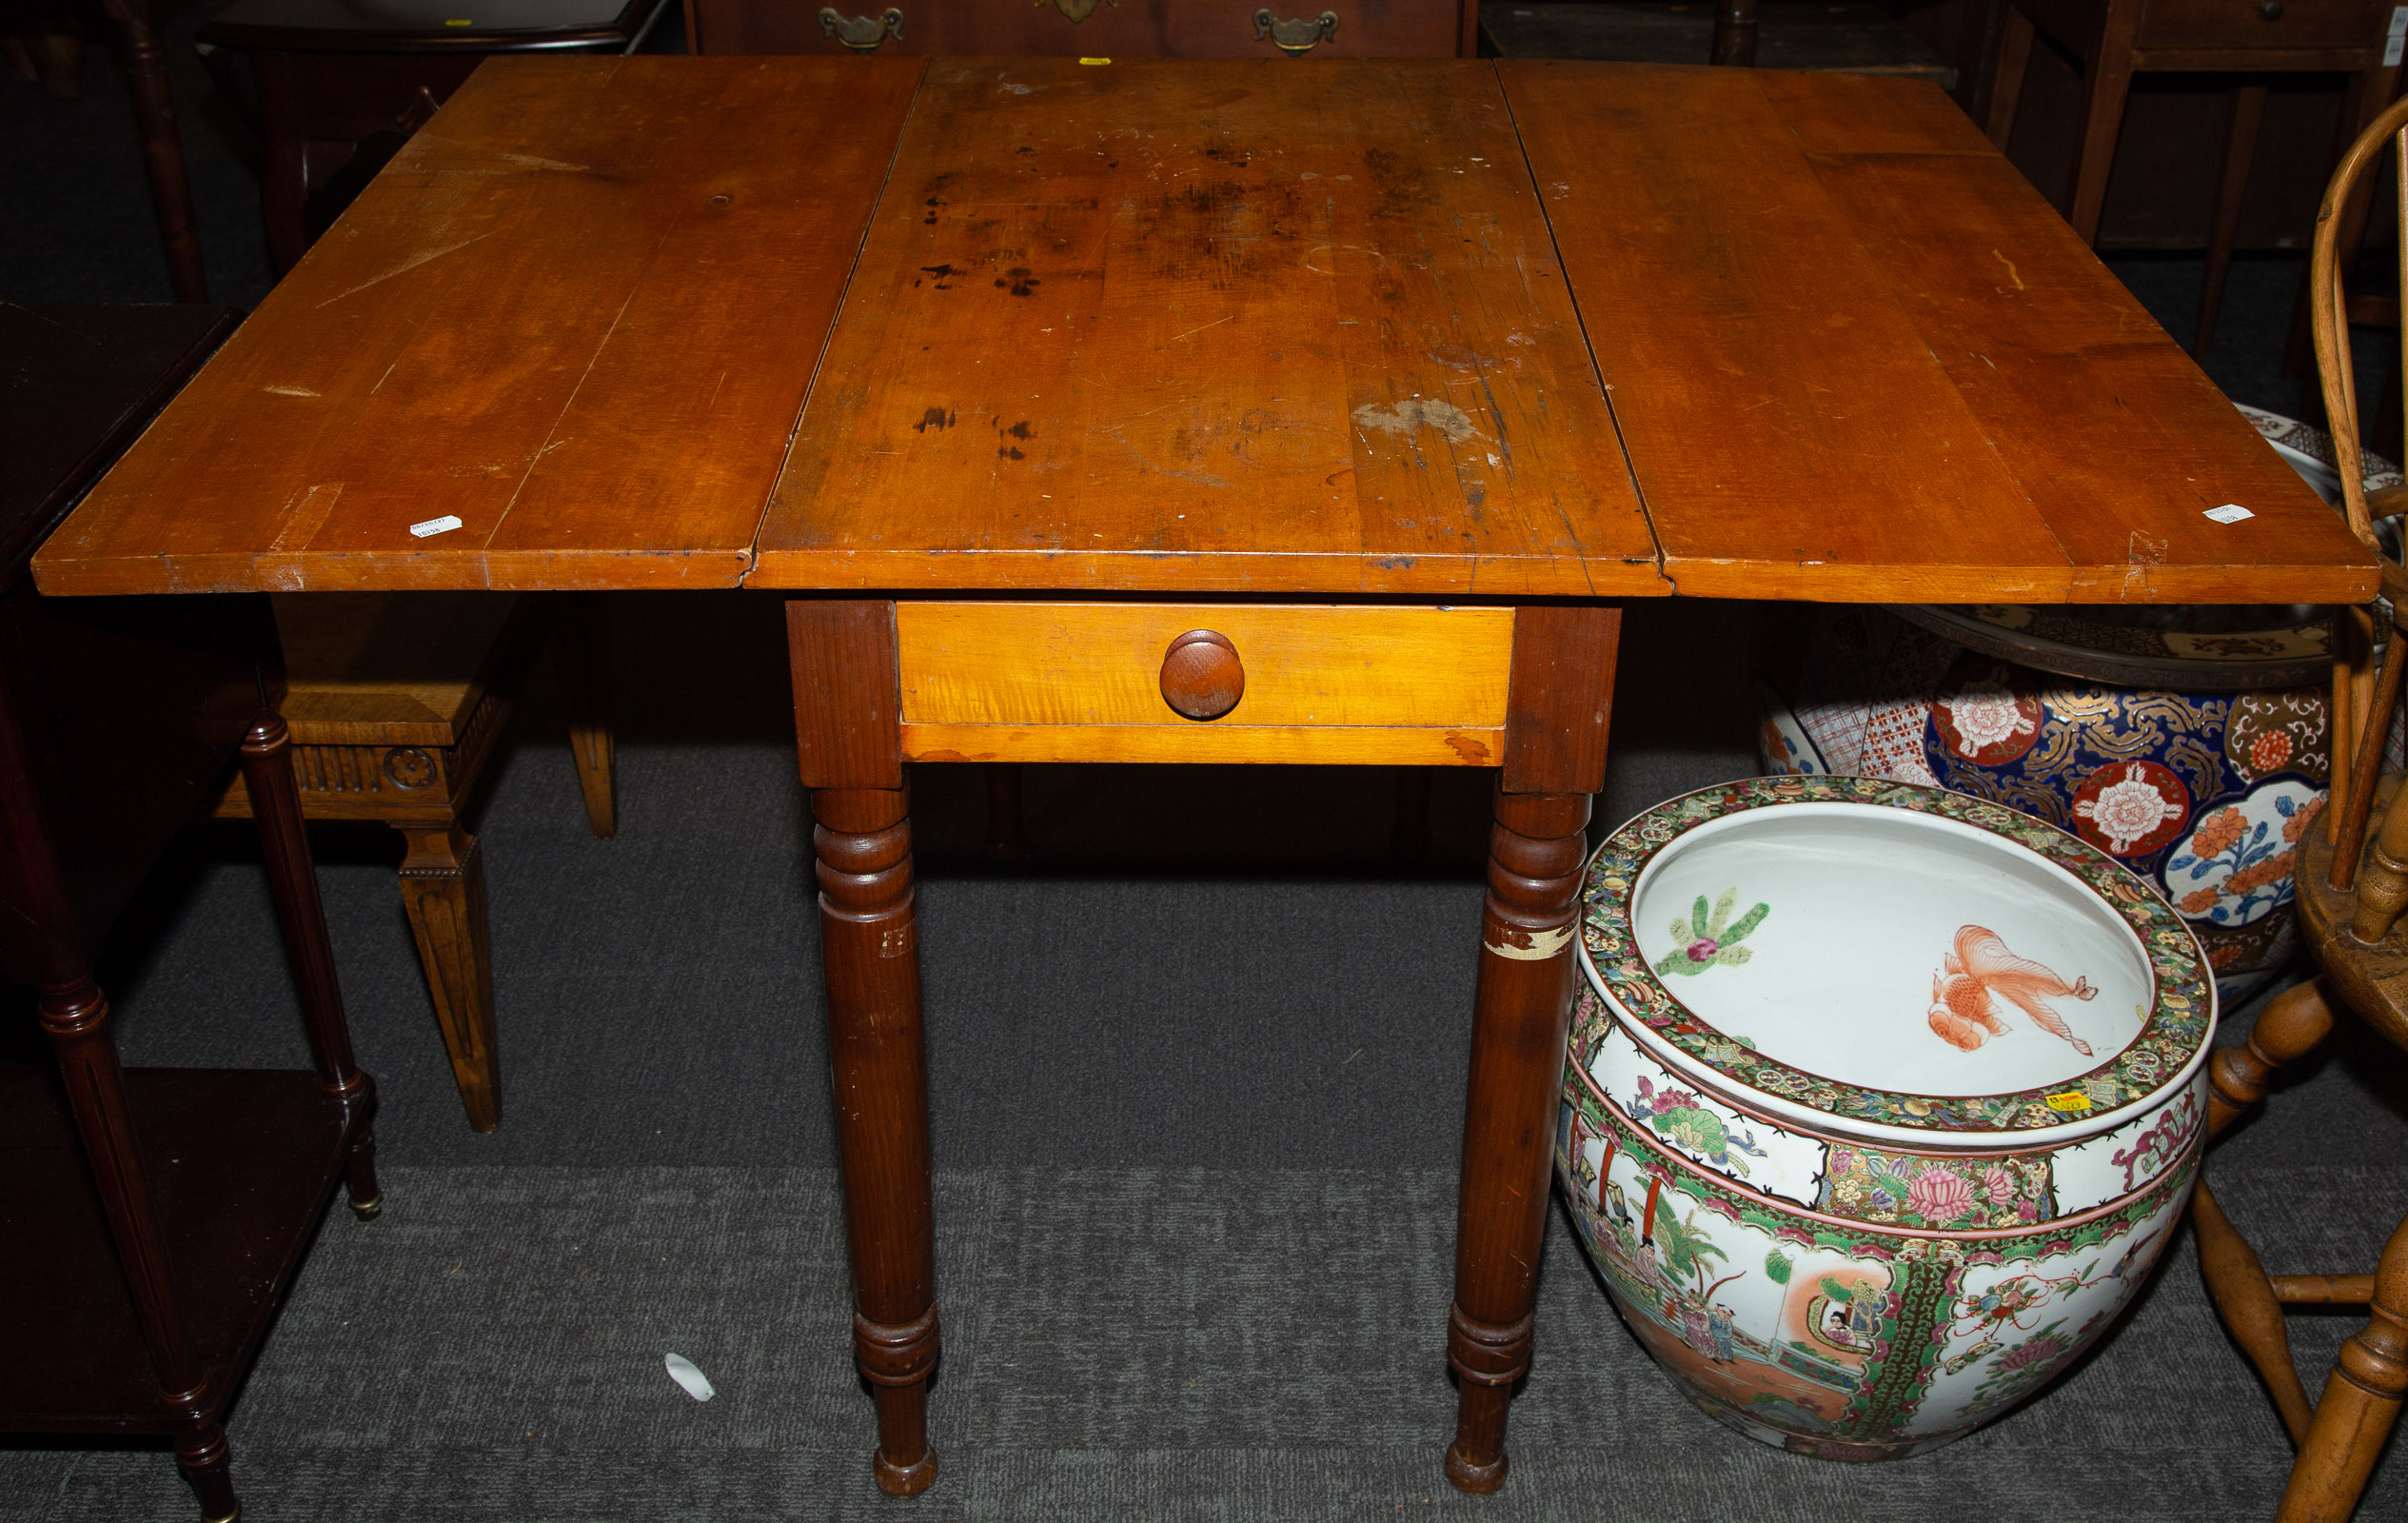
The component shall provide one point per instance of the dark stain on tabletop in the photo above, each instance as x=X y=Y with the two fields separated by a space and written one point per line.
x=936 y=418
x=1019 y=281
x=942 y=272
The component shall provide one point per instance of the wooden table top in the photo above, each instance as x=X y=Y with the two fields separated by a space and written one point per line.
x=1418 y=329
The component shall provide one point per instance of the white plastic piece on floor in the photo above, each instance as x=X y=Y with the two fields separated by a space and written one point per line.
x=681 y=1369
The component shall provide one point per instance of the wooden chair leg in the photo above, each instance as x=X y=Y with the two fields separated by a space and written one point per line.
x=581 y=648
x=2015 y=56
x=2290 y=1027
x=444 y=890
x=283 y=185
x=2110 y=67
x=1734 y=43
x=2249 y=109
x=162 y=147
x=2383 y=886
x=2361 y=1401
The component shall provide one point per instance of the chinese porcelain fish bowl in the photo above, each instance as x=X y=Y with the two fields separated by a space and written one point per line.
x=1881 y=1102
x=2191 y=744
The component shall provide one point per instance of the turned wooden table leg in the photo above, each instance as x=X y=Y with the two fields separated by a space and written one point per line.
x=1521 y=1011
x=849 y=742
x=442 y=882
x=292 y=880
x=1558 y=705
x=871 y=954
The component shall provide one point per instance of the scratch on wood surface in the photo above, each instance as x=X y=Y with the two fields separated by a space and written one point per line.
x=1191 y=332
x=2010 y=269
x=2141 y=554
x=404 y=268
x=288 y=391
x=386 y=376
x=304 y=515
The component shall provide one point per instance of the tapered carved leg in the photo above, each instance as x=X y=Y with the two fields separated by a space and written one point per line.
x=292 y=880
x=444 y=890
x=2361 y=1401
x=580 y=649
x=2291 y=1026
x=871 y=952
x=1522 y=1007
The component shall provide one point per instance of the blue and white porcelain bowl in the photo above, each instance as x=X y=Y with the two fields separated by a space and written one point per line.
x=1881 y=1102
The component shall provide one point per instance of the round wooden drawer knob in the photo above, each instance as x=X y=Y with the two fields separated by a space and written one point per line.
x=1202 y=676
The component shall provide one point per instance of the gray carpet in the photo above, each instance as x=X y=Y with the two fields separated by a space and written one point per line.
x=1196 y=1082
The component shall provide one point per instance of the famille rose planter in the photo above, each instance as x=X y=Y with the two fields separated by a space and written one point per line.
x=2191 y=744
x=1881 y=1102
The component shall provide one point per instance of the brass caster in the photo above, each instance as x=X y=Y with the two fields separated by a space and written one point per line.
x=368 y=1209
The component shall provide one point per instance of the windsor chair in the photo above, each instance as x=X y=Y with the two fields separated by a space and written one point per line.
x=2352 y=892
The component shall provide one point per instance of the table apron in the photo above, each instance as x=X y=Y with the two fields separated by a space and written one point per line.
x=1083 y=681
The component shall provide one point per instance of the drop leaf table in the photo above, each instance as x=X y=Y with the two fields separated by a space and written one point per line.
x=1183 y=411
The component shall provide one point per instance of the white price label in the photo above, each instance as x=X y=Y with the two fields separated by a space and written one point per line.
x=2230 y=513
x=436 y=525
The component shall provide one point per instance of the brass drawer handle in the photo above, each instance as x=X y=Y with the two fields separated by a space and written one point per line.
x=1201 y=675
x=861 y=33
x=1296 y=35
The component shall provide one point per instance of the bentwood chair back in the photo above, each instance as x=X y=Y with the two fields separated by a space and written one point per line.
x=2351 y=895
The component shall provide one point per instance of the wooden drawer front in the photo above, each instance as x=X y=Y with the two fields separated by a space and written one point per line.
x=1078 y=682
x=2244 y=24
x=1132 y=29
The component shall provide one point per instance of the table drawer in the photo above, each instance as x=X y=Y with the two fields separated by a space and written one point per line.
x=1131 y=29
x=1084 y=682
x=2264 y=24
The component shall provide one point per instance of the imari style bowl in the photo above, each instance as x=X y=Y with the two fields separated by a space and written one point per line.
x=2191 y=744
x=1881 y=1102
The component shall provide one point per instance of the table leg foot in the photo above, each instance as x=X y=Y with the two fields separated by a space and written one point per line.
x=1488 y=1359
x=896 y=1360
x=905 y=1480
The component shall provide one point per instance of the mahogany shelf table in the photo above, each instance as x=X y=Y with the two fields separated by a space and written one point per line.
x=1204 y=411
x=153 y=1218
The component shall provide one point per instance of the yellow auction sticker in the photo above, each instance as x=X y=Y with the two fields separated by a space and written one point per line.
x=1094 y=60
x=2070 y=1101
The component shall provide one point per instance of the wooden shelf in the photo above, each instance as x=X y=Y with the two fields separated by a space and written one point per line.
x=243 y=1163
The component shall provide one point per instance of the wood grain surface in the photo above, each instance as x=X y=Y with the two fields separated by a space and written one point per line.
x=1078 y=682
x=1188 y=327
x=1854 y=356
x=579 y=312
x=1205 y=327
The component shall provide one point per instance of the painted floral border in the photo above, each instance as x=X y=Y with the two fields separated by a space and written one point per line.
x=2178 y=1026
